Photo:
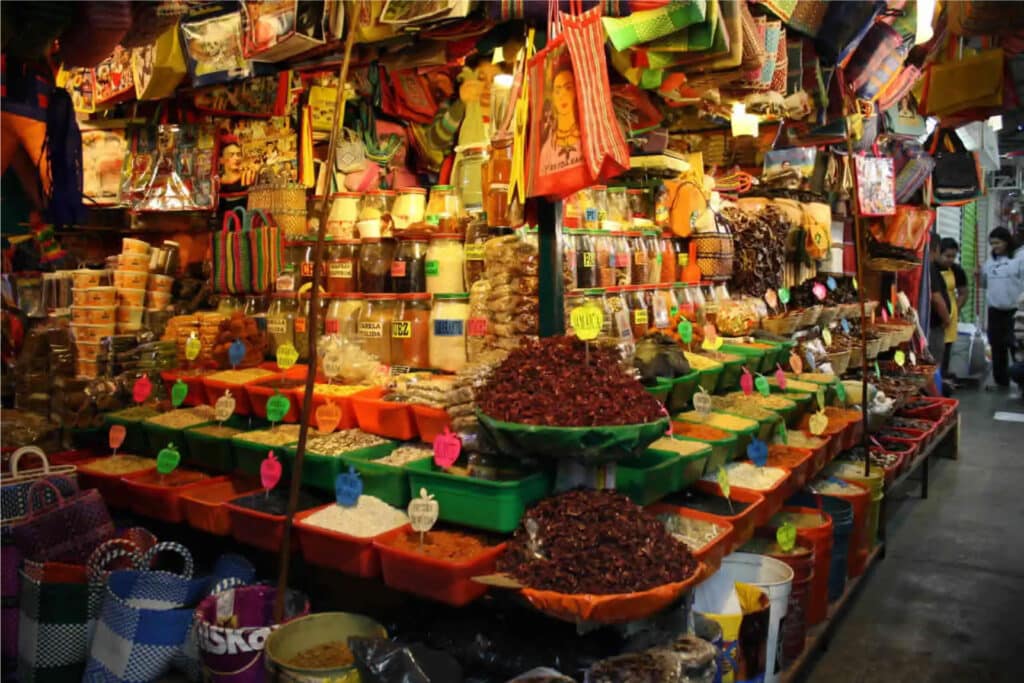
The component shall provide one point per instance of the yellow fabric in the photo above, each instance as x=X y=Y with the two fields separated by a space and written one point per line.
x=954 y=312
x=166 y=70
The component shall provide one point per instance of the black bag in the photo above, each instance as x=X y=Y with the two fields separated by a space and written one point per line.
x=957 y=174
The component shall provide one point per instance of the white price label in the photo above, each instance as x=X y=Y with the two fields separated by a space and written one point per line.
x=332 y=363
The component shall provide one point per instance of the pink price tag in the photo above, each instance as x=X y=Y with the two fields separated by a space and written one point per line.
x=270 y=471
x=142 y=389
x=819 y=291
x=447 y=447
x=780 y=376
x=664 y=412
x=747 y=383
x=116 y=436
x=885 y=316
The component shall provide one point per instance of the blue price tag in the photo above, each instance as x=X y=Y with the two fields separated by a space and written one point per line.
x=236 y=352
x=348 y=486
x=757 y=451
x=811 y=367
x=845 y=324
x=830 y=283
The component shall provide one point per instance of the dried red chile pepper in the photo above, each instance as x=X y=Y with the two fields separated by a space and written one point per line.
x=597 y=542
x=551 y=382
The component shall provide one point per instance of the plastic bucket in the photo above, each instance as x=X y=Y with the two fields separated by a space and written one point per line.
x=859 y=498
x=776 y=579
x=235 y=654
x=744 y=633
x=317 y=629
x=815 y=527
x=875 y=483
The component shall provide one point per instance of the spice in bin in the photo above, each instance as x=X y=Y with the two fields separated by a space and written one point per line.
x=695 y=533
x=239 y=376
x=742 y=407
x=440 y=544
x=594 y=542
x=707 y=502
x=681 y=447
x=729 y=423
x=780 y=455
x=134 y=414
x=117 y=464
x=332 y=655
x=745 y=475
x=770 y=402
x=275 y=501
x=217 y=431
x=799 y=439
x=183 y=417
x=283 y=384
x=279 y=435
x=403 y=455
x=369 y=517
x=345 y=441
x=338 y=390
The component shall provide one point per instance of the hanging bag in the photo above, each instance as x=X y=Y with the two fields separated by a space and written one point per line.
x=906 y=229
x=876 y=62
x=957 y=173
x=67 y=531
x=972 y=82
x=246 y=252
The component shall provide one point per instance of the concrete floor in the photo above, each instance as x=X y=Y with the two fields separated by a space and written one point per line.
x=947 y=602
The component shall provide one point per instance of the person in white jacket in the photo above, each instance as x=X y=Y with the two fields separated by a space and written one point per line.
x=1003 y=279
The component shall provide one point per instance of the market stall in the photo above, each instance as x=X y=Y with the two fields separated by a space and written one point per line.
x=572 y=318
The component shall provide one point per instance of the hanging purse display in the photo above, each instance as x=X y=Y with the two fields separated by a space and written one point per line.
x=957 y=174
x=876 y=185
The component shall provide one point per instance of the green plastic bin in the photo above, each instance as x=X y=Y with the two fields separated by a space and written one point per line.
x=319 y=471
x=213 y=453
x=649 y=477
x=693 y=464
x=722 y=451
x=708 y=378
x=660 y=389
x=730 y=377
x=766 y=426
x=160 y=436
x=753 y=359
x=743 y=435
x=478 y=503
x=683 y=389
x=249 y=456
x=135 y=440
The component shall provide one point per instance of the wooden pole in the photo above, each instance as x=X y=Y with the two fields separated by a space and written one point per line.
x=314 y=314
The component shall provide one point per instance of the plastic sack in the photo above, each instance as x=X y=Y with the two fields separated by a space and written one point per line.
x=590 y=445
x=384 y=661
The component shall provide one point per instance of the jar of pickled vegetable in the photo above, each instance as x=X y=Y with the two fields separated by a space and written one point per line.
x=375 y=257
x=408 y=266
x=410 y=207
x=342 y=316
x=445 y=264
x=640 y=264
x=281 y=320
x=342 y=266
x=638 y=314
x=410 y=331
x=448 y=332
x=569 y=246
x=623 y=259
x=587 y=275
x=375 y=325
x=375 y=214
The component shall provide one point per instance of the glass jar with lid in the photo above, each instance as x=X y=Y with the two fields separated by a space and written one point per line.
x=468 y=176
x=639 y=205
x=654 y=256
x=663 y=307
x=604 y=246
x=281 y=320
x=640 y=265
x=700 y=303
x=444 y=209
x=342 y=316
x=623 y=259
x=618 y=214
x=375 y=257
x=569 y=246
x=410 y=331
x=410 y=207
x=636 y=303
x=408 y=266
x=477 y=233
x=375 y=214
x=448 y=332
x=374 y=327
x=587 y=272
x=600 y=195
x=446 y=257
x=344 y=213
x=621 y=331
x=500 y=210
x=669 y=267
x=342 y=264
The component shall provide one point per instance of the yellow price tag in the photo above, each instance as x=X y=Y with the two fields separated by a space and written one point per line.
x=826 y=336
x=818 y=423
x=587 y=320
x=711 y=344
x=287 y=355
x=192 y=347
x=723 y=481
x=900 y=358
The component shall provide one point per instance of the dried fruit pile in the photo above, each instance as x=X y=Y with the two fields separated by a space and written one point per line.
x=596 y=542
x=760 y=243
x=552 y=382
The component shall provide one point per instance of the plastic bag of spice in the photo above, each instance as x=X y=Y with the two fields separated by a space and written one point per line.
x=384 y=661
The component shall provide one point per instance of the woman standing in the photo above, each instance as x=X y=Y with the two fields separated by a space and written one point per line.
x=1003 y=279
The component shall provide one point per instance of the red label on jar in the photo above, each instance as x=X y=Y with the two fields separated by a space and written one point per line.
x=476 y=327
x=332 y=326
x=621 y=259
x=300 y=325
x=306 y=269
x=398 y=268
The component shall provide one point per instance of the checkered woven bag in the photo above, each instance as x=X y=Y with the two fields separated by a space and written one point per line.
x=67 y=531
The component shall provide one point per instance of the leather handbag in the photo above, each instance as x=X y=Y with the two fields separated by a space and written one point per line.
x=957 y=173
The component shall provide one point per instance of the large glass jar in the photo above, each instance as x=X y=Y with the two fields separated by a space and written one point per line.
x=639 y=206
x=640 y=265
x=375 y=214
x=623 y=259
x=448 y=332
x=639 y=318
x=410 y=331
x=375 y=325
x=499 y=210
x=302 y=328
x=410 y=207
x=281 y=320
x=662 y=208
x=587 y=271
x=669 y=268
x=468 y=176
x=618 y=215
x=342 y=317
x=604 y=246
x=663 y=307
x=375 y=265
x=408 y=266
x=477 y=233
x=444 y=209
x=654 y=256
x=617 y=311
x=569 y=246
x=682 y=256
x=341 y=221
x=342 y=266
x=446 y=257
x=600 y=195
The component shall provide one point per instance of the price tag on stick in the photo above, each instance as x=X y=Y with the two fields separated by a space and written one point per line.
x=761 y=384
x=685 y=329
x=167 y=459
x=287 y=356
x=818 y=423
x=224 y=408
x=348 y=486
x=747 y=382
x=331 y=364
x=830 y=282
x=116 y=437
x=278 y=406
x=587 y=321
x=179 y=391
x=328 y=417
x=270 y=471
x=702 y=403
x=819 y=291
x=142 y=389
x=784 y=295
x=447 y=447
x=192 y=347
x=785 y=536
x=723 y=483
x=423 y=513
x=900 y=358
x=757 y=451
x=796 y=364
x=236 y=353
x=780 y=376
x=772 y=299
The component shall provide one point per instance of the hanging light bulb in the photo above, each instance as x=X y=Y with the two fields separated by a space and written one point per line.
x=742 y=122
x=925 y=13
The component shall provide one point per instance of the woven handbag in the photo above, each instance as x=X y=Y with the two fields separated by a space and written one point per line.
x=65 y=532
x=14 y=487
x=246 y=254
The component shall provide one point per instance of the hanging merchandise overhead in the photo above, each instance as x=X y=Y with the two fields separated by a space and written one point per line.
x=540 y=310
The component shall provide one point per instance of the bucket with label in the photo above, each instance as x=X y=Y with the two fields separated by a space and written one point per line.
x=742 y=611
x=813 y=526
x=232 y=628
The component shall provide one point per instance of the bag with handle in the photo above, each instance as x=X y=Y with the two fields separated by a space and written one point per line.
x=876 y=62
x=145 y=625
x=957 y=174
x=913 y=169
x=905 y=229
x=60 y=603
x=843 y=27
x=66 y=531
x=973 y=82
x=246 y=252
x=15 y=485
x=876 y=185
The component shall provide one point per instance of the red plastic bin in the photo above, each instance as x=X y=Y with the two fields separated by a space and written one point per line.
x=910 y=450
x=159 y=495
x=348 y=413
x=260 y=529
x=243 y=406
x=193 y=379
x=334 y=550
x=111 y=486
x=203 y=505
x=432 y=578
x=934 y=408
x=389 y=419
x=430 y=422
x=798 y=461
x=773 y=498
x=259 y=394
x=743 y=524
x=714 y=550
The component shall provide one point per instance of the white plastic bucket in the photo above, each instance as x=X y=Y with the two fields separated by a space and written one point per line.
x=776 y=579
